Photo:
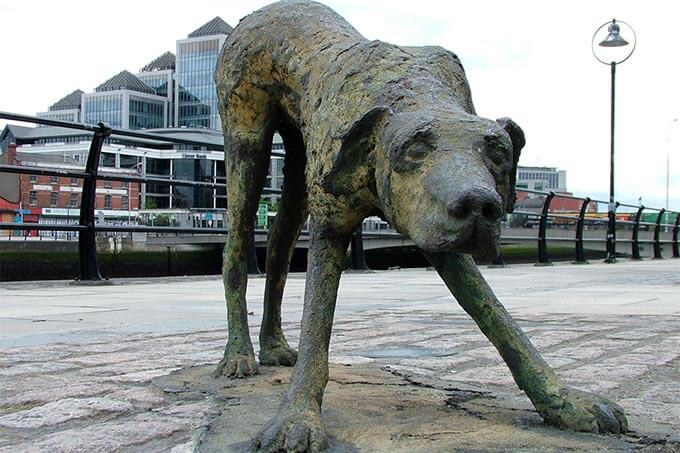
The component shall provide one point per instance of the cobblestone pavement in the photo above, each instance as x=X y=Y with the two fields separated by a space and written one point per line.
x=94 y=392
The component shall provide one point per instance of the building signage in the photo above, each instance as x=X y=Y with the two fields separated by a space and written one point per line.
x=193 y=156
x=70 y=189
x=112 y=191
x=75 y=212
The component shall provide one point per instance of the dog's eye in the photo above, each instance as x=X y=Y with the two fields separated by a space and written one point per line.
x=417 y=151
x=498 y=150
x=497 y=156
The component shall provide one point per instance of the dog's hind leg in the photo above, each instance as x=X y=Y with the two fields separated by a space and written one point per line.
x=247 y=152
x=291 y=215
x=557 y=403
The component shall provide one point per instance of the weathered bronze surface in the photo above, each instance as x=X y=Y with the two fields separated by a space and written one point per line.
x=368 y=128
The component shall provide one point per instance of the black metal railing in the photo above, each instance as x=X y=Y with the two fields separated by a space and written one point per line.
x=580 y=221
x=87 y=228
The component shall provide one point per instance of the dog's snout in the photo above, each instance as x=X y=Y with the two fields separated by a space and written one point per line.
x=476 y=201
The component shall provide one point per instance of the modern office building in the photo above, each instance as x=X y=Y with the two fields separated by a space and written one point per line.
x=158 y=158
x=65 y=109
x=542 y=178
x=124 y=101
x=159 y=75
x=171 y=96
x=185 y=83
x=196 y=95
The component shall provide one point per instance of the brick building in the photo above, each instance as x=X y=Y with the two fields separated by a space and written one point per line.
x=56 y=199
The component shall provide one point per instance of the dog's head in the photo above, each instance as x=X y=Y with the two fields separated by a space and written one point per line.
x=442 y=178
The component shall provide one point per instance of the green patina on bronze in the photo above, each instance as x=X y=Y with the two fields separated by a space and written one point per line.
x=368 y=128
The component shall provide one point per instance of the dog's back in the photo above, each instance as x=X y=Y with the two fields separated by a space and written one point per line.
x=305 y=61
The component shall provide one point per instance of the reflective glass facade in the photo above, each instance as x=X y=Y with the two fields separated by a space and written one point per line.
x=162 y=82
x=196 y=93
x=107 y=108
x=146 y=113
x=61 y=115
x=192 y=170
x=157 y=81
x=157 y=195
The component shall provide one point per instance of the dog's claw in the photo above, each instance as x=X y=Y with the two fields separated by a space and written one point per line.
x=582 y=411
x=277 y=353
x=293 y=430
x=236 y=365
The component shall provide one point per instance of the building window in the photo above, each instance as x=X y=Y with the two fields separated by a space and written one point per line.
x=124 y=202
x=76 y=157
x=74 y=181
x=54 y=197
x=74 y=200
x=124 y=184
x=108 y=160
x=108 y=184
x=54 y=179
x=33 y=178
x=33 y=198
x=107 y=201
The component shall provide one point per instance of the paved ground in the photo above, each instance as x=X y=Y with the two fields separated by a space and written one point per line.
x=126 y=366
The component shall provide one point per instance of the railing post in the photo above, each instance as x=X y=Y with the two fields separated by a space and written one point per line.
x=499 y=261
x=636 y=231
x=251 y=255
x=542 y=235
x=676 y=227
x=357 y=252
x=87 y=244
x=580 y=254
x=657 y=231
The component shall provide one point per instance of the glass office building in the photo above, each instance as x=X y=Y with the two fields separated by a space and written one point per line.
x=107 y=108
x=124 y=101
x=65 y=109
x=158 y=74
x=196 y=95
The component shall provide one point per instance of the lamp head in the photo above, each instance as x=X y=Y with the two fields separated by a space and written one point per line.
x=613 y=38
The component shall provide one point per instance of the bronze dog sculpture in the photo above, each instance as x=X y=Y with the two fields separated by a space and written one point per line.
x=368 y=128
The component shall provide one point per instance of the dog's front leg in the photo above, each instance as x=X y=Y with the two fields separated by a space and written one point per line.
x=558 y=404
x=298 y=425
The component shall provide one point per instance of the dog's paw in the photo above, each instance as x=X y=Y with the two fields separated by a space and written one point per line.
x=236 y=365
x=277 y=354
x=293 y=429
x=582 y=411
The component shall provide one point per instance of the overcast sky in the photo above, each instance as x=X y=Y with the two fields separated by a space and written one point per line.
x=530 y=60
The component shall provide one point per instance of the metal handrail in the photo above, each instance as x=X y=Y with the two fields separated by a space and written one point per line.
x=87 y=227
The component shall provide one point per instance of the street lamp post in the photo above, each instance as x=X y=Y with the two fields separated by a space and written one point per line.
x=612 y=40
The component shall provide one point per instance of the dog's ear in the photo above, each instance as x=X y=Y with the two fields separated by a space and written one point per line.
x=518 y=141
x=354 y=164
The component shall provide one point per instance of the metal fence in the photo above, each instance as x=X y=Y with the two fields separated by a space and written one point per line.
x=87 y=228
x=544 y=217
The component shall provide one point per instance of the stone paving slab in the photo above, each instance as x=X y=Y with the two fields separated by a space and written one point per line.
x=415 y=360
